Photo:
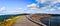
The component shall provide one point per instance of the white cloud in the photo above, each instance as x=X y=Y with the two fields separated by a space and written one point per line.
x=50 y=2
x=58 y=8
x=54 y=2
x=58 y=0
x=19 y=8
x=35 y=9
x=11 y=12
x=48 y=9
x=15 y=11
x=2 y=9
x=43 y=1
x=46 y=0
x=33 y=6
x=52 y=9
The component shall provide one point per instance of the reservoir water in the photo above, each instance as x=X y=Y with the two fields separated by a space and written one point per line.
x=51 y=21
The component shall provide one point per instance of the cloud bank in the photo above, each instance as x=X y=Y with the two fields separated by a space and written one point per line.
x=51 y=8
x=5 y=11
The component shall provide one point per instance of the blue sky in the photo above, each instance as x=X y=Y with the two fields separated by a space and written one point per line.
x=13 y=5
x=20 y=6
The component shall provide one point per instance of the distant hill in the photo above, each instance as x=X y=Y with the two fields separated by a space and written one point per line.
x=3 y=17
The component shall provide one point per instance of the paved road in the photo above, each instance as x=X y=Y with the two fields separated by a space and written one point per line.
x=23 y=21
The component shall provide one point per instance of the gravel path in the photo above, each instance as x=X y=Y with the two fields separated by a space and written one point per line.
x=23 y=21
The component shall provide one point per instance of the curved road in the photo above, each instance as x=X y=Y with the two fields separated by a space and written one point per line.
x=23 y=21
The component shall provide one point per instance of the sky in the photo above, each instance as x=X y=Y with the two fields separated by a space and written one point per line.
x=29 y=6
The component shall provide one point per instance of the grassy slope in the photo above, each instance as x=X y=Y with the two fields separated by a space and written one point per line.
x=9 y=21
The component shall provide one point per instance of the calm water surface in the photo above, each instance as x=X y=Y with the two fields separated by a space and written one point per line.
x=51 y=21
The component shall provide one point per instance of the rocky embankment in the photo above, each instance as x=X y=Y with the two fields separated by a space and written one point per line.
x=37 y=17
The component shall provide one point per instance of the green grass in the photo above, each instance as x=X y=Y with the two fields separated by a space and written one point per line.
x=10 y=17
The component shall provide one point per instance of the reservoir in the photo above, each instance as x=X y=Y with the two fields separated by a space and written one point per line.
x=51 y=21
